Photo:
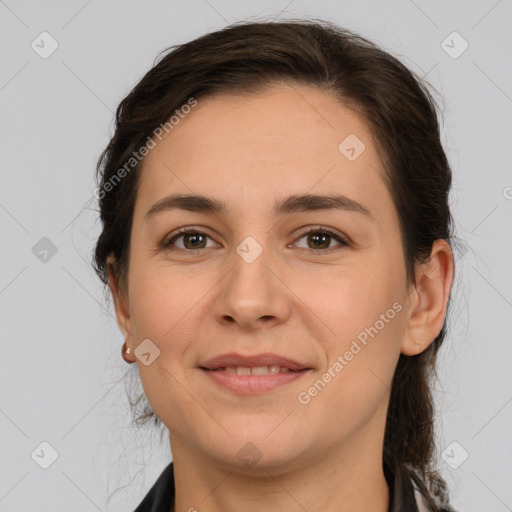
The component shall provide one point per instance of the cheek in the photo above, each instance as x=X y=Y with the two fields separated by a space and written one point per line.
x=364 y=314
x=163 y=300
x=347 y=299
x=356 y=381
x=163 y=311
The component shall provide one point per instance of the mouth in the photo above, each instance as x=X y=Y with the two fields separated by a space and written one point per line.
x=252 y=375
x=264 y=363
x=256 y=370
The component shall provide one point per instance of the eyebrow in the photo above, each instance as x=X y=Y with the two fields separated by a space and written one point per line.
x=286 y=206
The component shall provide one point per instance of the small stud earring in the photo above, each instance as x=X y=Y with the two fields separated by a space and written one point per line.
x=125 y=351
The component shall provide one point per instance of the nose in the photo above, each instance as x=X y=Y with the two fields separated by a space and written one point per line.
x=252 y=295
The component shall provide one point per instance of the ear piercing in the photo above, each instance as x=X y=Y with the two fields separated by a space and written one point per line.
x=125 y=351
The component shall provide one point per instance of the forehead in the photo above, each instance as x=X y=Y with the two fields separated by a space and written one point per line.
x=251 y=148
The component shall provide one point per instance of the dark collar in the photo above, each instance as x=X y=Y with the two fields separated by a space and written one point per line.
x=161 y=495
x=401 y=492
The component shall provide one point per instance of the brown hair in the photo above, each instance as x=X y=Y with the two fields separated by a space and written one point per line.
x=402 y=116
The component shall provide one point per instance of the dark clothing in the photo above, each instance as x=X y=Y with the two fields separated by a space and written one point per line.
x=402 y=494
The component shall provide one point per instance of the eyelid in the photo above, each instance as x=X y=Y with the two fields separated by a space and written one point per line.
x=342 y=239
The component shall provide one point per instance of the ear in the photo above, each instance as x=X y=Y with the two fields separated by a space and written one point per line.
x=428 y=299
x=120 y=296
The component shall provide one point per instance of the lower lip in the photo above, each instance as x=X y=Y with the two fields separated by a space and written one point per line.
x=252 y=384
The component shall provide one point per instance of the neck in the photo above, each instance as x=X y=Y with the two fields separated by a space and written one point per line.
x=325 y=483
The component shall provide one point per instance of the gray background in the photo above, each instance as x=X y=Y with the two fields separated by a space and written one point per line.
x=61 y=374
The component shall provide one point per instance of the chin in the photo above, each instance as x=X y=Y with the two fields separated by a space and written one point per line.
x=259 y=449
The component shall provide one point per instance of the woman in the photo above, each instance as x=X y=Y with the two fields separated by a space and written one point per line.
x=276 y=237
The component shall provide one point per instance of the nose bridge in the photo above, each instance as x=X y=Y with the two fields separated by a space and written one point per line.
x=251 y=292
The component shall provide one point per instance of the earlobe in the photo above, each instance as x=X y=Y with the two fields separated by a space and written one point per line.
x=126 y=354
x=120 y=304
x=429 y=299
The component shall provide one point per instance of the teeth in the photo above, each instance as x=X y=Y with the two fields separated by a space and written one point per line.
x=257 y=370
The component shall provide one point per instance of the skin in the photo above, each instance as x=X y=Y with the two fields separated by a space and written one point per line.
x=294 y=300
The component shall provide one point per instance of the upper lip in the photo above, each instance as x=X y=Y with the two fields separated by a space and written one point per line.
x=265 y=359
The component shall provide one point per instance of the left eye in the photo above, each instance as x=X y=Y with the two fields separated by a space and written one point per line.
x=321 y=238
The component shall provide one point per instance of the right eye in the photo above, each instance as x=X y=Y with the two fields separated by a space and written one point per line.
x=193 y=240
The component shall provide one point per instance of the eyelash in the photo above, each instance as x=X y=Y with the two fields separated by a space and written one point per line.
x=167 y=245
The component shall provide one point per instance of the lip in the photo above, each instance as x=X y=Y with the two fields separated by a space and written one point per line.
x=215 y=369
x=265 y=359
x=252 y=384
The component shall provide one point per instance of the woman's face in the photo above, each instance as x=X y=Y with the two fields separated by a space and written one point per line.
x=252 y=281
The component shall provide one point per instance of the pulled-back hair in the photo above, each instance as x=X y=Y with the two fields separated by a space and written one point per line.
x=401 y=114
